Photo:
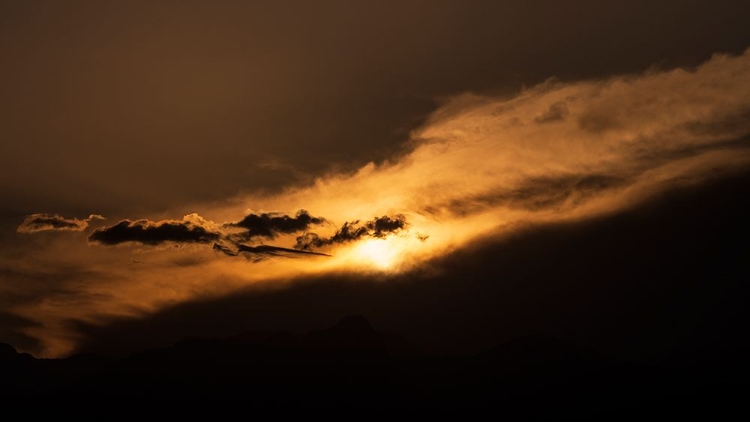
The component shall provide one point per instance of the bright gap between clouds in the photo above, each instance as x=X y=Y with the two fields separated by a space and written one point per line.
x=377 y=252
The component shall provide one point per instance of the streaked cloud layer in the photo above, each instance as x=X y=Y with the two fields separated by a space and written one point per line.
x=552 y=152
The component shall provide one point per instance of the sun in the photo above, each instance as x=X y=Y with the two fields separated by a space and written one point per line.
x=376 y=251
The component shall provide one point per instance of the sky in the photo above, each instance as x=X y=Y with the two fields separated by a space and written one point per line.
x=157 y=156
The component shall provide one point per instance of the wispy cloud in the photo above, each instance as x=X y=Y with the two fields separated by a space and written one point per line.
x=261 y=251
x=35 y=223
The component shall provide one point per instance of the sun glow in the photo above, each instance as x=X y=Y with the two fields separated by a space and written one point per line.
x=377 y=252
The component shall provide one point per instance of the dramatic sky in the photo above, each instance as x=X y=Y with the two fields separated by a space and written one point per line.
x=159 y=154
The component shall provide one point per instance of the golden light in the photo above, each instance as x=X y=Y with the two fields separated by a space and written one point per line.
x=377 y=252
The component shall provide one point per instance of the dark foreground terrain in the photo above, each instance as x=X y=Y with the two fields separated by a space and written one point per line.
x=351 y=366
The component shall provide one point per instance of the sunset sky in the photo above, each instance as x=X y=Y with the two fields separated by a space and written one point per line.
x=156 y=156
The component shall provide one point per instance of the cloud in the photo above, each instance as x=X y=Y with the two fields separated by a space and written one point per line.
x=195 y=229
x=269 y=225
x=35 y=223
x=275 y=251
x=260 y=251
x=226 y=250
x=191 y=229
x=378 y=227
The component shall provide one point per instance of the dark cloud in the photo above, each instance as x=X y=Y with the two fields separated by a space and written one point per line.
x=379 y=227
x=261 y=251
x=226 y=250
x=53 y=222
x=275 y=251
x=195 y=229
x=269 y=225
x=557 y=111
x=192 y=229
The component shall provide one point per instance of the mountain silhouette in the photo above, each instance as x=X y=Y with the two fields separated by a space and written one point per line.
x=539 y=353
x=352 y=365
x=7 y=352
x=350 y=337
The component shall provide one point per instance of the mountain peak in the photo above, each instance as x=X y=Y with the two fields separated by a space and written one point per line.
x=7 y=351
x=354 y=324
